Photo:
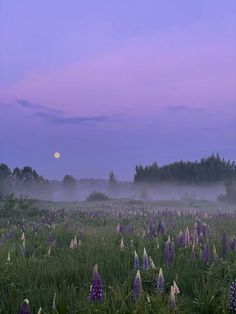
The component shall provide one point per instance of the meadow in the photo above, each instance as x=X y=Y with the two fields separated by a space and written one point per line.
x=48 y=252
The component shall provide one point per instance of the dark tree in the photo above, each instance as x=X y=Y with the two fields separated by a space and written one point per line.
x=208 y=170
x=112 y=178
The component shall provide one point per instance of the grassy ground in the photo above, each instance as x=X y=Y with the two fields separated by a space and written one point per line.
x=38 y=275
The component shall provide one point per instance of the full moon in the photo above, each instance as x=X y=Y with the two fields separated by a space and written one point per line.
x=57 y=155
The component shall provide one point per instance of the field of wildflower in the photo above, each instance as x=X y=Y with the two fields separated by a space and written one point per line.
x=111 y=258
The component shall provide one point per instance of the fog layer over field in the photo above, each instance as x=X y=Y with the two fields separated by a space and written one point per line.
x=137 y=191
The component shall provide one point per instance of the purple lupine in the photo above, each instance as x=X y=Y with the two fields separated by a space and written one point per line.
x=118 y=228
x=172 y=252
x=205 y=230
x=24 y=307
x=206 y=253
x=198 y=227
x=137 y=286
x=160 y=282
x=187 y=238
x=96 y=288
x=180 y=240
x=195 y=234
x=130 y=229
x=232 y=296
x=225 y=244
x=233 y=244
x=161 y=228
x=136 y=261
x=167 y=252
x=145 y=260
x=152 y=231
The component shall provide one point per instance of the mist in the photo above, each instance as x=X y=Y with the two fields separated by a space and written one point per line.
x=56 y=191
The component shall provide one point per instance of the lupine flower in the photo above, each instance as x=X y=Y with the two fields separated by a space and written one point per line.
x=205 y=230
x=206 y=253
x=122 y=245
x=136 y=261
x=172 y=252
x=24 y=307
x=168 y=251
x=233 y=244
x=176 y=288
x=23 y=249
x=72 y=244
x=9 y=256
x=172 y=297
x=160 y=282
x=79 y=243
x=215 y=256
x=75 y=242
x=145 y=260
x=198 y=227
x=137 y=286
x=232 y=296
x=161 y=228
x=187 y=238
x=23 y=236
x=96 y=288
x=54 y=306
x=39 y=310
x=118 y=228
x=195 y=234
x=151 y=263
x=180 y=240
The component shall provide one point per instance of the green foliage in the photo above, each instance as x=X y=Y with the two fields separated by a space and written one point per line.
x=208 y=170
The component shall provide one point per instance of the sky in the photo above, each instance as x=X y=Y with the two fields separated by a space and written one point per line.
x=112 y=84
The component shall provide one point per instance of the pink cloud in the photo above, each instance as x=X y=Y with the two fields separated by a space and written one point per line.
x=145 y=74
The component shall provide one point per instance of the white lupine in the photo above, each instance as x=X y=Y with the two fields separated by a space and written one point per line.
x=23 y=236
x=75 y=242
x=122 y=245
x=8 y=257
x=39 y=310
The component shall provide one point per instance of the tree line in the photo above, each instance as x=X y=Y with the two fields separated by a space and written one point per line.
x=212 y=169
x=21 y=180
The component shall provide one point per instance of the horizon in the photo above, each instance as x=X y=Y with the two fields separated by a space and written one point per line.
x=110 y=86
x=132 y=179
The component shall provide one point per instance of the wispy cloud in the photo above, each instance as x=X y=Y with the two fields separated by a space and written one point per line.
x=183 y=108
x=177 y=108
x=58 y=116
x=76 y=120
x=34 y=106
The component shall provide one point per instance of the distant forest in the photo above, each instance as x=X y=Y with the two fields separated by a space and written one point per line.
x=208 y=170
x=214 y=169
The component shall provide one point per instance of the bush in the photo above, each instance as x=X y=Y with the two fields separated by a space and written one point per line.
x=97 y=196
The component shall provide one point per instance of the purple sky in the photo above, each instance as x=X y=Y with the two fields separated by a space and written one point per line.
x=110 y=84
